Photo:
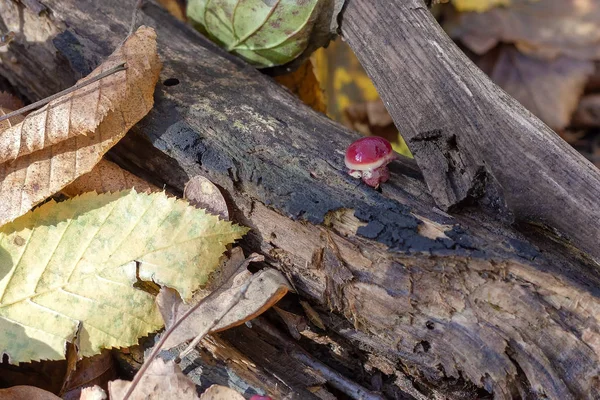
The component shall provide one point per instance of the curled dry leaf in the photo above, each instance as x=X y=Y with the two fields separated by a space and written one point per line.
x=66 y=138
x=217 y=392
x=95 y=371
x=26 y=392
x=202 y=193
x=105 y=177
x=162 y=380
x=266 y=288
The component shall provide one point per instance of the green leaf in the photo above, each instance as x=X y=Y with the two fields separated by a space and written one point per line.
x=263 y=32
x=66 y=269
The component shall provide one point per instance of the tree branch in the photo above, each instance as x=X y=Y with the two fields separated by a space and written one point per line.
x=472 y=141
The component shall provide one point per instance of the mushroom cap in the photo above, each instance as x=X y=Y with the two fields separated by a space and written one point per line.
x=369 y=153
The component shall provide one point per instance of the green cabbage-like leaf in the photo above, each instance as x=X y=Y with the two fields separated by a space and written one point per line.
x=67 y=270
x=263 y=32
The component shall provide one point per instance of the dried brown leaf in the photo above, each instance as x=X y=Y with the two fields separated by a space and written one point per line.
x=202 y=193
x=267 y=287
x=549 y=28
x=217 y=392
x=162 y=380
x=65 y=139
x=26 y=392
x=105 y=177
x=96 y=370
x=587 y=114
x=549 y=89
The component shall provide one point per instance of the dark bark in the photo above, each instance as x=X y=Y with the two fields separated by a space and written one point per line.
x=460 y=304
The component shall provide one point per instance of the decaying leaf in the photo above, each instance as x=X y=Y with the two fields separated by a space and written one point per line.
x=549 y=89
x=105 y=177
x=217 y=392
x=93 y=393
x=162 y=380
x=267 y=287
x=266 y=32
x=66 y=270
x=202 y=193
x=26 y=392
x=92 y=371
x=546 y=28
x=66 y=138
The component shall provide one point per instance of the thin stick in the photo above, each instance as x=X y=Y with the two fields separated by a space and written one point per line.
x=157 y=348
x=134 y=16
x=233 y=302
x=37 y=104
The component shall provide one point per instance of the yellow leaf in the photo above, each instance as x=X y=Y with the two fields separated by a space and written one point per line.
x=478 y=5
x=66 y=138
x=66 y=269
x=304 y=83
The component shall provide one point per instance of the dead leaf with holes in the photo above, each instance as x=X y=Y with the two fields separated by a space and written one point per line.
x=53 y=146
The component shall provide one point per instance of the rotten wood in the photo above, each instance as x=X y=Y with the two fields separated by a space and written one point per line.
x=459 y=305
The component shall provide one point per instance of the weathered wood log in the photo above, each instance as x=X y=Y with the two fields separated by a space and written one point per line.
x=451 y=301
x=473 y=142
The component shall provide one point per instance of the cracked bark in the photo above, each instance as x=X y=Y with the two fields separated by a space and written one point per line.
x=458 y=304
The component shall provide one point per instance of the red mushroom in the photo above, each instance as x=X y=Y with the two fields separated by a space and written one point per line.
x=368 y=157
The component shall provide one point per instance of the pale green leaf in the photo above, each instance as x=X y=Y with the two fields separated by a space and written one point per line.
x=263 y=32
x=66 y=269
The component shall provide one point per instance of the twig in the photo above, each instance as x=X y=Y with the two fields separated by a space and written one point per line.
x=37 y=104
x=157 y=348
x=134 y=16
x=232 y=303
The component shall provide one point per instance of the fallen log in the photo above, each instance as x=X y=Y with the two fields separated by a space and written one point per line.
x=460 y=304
